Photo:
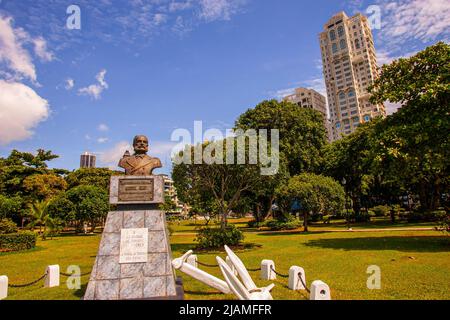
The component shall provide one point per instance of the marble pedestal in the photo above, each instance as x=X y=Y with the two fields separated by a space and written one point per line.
x=153 y=279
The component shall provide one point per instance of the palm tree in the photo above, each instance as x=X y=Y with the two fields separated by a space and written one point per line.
x=39 y=215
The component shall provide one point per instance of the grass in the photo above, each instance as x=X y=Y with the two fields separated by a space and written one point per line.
x=414 y=264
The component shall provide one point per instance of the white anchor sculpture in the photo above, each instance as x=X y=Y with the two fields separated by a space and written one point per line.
x=200 y=275
x=245 y=290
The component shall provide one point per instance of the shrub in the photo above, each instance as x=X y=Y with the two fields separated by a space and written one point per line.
x=18 y=241
x=428 y=216
x=7 y=226
x=362 y=217
x=281 y=225
x=255 y=224
x=381 y=211
x=209 y=238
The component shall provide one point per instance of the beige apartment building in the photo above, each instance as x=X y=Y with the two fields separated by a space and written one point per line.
x=169 y=190
x=349 y=68
x=309 y=98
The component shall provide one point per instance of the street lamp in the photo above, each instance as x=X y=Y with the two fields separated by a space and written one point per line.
x=344 y=182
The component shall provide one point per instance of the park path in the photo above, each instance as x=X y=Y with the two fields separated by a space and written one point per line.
x=326 y=230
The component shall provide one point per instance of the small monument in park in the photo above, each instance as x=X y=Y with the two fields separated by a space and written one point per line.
x=134 y=256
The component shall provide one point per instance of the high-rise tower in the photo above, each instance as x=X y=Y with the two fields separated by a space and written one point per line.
x=349 y=68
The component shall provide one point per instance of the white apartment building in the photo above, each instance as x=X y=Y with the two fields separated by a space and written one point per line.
x=349 y=68
x=309 y=98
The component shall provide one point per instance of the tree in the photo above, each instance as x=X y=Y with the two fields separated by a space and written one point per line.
x=39 y=216
x=62 y=208
x=91 y=204
x=11 y=207
x=223 y=183
x=301 y=130
x=350 y=158
x=44 y=186
x=169 y=205
x=302 y=137
x=19 y=165
x=98 y=177
x=316 y=194
x=260 y=197
x=413 y=146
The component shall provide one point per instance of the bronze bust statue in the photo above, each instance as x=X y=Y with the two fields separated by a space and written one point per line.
x=139 y=164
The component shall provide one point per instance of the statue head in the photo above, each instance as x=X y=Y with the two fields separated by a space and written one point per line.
x=140 y=144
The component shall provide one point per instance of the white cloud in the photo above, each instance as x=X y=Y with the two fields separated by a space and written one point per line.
x=111 y=157
x=280 y=94
x=317 y=84
x=40 y=49
x=12 y=52
x=391 y=107
x=102 y=140
x=159 y=19
x=21 y=110
x=211 y=10
x=179 y=6
x=69 y=84
x=102 y=127
x=423 y=20
x=385 y=57
x=95 y=90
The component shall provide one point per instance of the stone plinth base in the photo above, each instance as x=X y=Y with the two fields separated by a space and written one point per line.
x=154 y=279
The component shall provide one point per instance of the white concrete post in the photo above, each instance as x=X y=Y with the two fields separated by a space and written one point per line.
x=52 y=277
x=295 y=282
x=231 y=265
x=319 y=291
x=192 y=260
x=3 y=287
x=266 y=270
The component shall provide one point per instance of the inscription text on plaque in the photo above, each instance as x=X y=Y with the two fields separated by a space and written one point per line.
x=136 y=190
x=133 y=245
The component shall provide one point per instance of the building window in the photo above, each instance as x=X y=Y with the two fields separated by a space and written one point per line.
x=357 y=45
x=342 y=44
x=340 y=31
x=338 y=125
x=332 y=35
x=334 y=47
x=366 y=118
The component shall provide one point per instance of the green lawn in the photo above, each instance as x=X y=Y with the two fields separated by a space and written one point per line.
x=414 y=264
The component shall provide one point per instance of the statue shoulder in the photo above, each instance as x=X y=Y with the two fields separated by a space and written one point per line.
x=157 y=162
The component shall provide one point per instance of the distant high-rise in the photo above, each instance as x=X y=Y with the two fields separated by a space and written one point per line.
x=349 y=68
x=309 y=98
x=87 y=160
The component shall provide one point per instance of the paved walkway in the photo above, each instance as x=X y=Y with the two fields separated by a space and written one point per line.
x=327 y=230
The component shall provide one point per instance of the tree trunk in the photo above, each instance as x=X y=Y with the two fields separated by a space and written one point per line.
x=356 y=206
x=305 y=221
x=269 y=210
x=392 y=212
x=224 y=220
x=93 y=225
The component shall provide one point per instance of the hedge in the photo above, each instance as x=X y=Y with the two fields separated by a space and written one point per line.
x=18 y=241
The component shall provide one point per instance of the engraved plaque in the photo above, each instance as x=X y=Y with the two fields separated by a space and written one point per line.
x=136 y=190
x=133 y=245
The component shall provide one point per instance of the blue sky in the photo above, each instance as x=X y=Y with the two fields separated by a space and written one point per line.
x=152 y=66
